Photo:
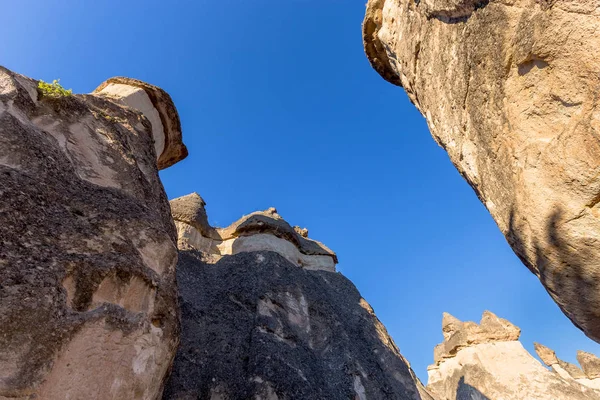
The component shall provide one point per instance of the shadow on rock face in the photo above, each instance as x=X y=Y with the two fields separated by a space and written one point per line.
x=464 y=391
x=510 y=92
x=563 y=266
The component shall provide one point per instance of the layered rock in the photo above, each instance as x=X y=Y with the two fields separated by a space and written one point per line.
x=258 y=323
x=262 y=230
x=87 y=262
x=487 y=361
x=509 y=90
x=589 y=376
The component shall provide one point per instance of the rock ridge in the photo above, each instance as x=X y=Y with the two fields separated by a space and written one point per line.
x=588 y=375
x=261 y=230
x=487 y=361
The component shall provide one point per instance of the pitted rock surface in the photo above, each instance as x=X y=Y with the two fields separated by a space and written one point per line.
x=256 y=326
x=509 y=89
x=87 y=262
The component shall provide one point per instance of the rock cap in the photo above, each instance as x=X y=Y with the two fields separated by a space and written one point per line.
x=458 y=334
x=174 y=150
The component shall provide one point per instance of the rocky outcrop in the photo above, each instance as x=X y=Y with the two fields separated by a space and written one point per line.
x=589 y=376
x=157 y=107
x=262 y=230
x=509 y=89
x=259 y=324
x=486 y=361
x=87 y=261
x=458 y=334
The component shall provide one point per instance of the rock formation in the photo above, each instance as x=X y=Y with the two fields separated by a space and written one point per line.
x=87 y=262
x=589 y=376
x=265 y=316
x=262 y=230
x=486 y=361
x=509 y=89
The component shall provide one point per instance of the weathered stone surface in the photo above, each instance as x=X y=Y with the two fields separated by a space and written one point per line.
x=255 y=326
x=547 y=355
x=496 y=366
x=458 y=334
x=87 y=256
x=509 y=89
x=262 y=230
x=570 y=371
x=190 y=209
x=589 y=363
x=157 y=106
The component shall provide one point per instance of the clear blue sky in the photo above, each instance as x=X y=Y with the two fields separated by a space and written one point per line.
x=280 y=107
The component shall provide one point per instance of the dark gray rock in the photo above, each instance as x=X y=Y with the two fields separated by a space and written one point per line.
x=87 y=249
x=256 y=326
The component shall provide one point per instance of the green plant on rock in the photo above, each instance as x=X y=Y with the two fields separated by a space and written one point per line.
x=53 y=89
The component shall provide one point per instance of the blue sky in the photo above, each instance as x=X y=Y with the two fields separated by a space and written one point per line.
x=280 y=107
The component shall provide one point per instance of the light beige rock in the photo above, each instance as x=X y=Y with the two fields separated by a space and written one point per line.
x=547 y=355
x=88 y=302
x=458 y=334
x=263 y=230
x=587 y=377
x=501 y=370
x=589 y=363
x=488 y=362
x=157 y=106
x=509 y=89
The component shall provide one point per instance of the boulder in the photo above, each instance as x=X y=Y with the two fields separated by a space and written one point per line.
x=88 y=302
x=509 y=90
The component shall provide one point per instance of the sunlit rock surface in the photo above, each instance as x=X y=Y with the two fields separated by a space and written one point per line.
x=509 y=89
x=88 y=304
x=262 y=230
x=486 y=361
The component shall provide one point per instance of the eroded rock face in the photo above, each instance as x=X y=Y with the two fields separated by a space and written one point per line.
x=510 y=90
x=458 y=334
x=486 y=361
x=262 y=230
x=587 y=375
x=88 y=248
x=257 y=325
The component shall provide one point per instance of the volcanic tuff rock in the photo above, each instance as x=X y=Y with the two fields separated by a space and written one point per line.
x=509 y=89
x=87 y=264
x=588 y=376
x=261 y=230
x=257 y=323
x=487 y=362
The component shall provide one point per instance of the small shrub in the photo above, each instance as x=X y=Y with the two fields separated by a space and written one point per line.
x=53 y=89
